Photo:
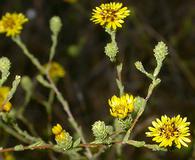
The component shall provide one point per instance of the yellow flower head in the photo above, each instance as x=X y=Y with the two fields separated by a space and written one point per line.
x=4 y=91
x=110 y=15
x=121 y=106
x=56 y=70
x=61 y=135
x=170 y=131
x=12 y=24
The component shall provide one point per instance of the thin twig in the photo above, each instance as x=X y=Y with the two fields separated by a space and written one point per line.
x=154 y=83
x=11 y=149
x=12 y=132
x=33 y=59
x=70 y=116
x=52 y=147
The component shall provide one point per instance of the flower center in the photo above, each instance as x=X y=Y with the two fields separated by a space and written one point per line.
x=9 y=23
x=169 y=130
x=120 y=108
x=109 y=15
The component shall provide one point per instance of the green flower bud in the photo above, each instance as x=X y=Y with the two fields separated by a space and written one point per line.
x=111 y=50
x=55 y=24
x=73 y=50
x=102 y=132
x=4 y=68
x=64 y=140
x=160 y=51
x=123 y=124
x=26 y=84
x=141 y=68
x=99 y=130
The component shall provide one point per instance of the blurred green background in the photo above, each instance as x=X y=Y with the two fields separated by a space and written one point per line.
x=90 y=79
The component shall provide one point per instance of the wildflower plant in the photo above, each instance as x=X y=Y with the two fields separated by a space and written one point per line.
x=125 y=108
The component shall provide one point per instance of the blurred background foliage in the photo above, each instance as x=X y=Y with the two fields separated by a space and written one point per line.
x=90 y=78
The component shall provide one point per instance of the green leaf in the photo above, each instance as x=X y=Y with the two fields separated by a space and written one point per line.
x=136 y=143
x=77 y=142
x=139 y=103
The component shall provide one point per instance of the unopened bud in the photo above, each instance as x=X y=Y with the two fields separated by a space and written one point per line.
x=55 y=24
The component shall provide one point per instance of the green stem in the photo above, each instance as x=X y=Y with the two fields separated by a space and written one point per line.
x=154 y=83
x=119 y=79
x=28 y=125
x=48 y=106
x=25 y=134
x=20 y=115
x=139 y=144
x=33 y=59
x=13 y=133
x=111 y=48
x=54 y=38
x=70 y=116
x=127 y=135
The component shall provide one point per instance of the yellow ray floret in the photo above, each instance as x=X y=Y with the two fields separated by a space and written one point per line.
x=57 y=129
x=110 y=15
x=4 y=91
x=12 y=23
x=170 y=131
x=120 y=107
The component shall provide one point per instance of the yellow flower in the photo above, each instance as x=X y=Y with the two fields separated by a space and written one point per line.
x=4 y=91
x=61 y=136
x=170 y=131
x=59 y=133
x=121 y=106
x=12 y=24
x=56 y=70
x=110 y=15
